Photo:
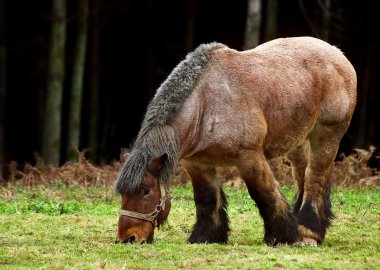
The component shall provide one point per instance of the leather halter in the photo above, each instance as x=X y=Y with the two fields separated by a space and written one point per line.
x=151 y=217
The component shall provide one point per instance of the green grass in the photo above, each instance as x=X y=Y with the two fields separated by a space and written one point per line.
x=58 y=227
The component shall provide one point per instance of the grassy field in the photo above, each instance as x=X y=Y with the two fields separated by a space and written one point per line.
x=59 y=227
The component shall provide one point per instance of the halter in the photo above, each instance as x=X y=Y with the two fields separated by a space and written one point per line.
x=151 y=217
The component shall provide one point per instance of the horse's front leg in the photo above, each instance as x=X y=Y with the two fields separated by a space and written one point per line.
x=279 y=222
x=210 y=201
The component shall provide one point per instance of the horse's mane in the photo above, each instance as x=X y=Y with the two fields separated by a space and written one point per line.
x=156 y=137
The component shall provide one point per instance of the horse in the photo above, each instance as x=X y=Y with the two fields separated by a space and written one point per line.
x=290 y=97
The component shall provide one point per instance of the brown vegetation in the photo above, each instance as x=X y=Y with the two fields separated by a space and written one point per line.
x=348 y=171
x=81 y=172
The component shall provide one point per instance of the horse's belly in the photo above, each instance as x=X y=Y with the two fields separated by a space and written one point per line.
x=282 y=146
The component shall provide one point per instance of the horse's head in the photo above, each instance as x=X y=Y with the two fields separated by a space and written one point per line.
x=146 y=208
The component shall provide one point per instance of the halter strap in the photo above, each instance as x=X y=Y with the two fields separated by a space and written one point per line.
x=151 y=217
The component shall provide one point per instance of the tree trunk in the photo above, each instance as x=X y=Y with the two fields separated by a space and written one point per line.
x=326 y=19
x=190 y=25
x=253 y=23
x=75 y=105
x=2 y=86
x=51 y=137
x=151 y=57
x=271 y=20
x=366 y=117
x=94 y=81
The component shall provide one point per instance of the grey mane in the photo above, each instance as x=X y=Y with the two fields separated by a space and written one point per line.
x=156 y=137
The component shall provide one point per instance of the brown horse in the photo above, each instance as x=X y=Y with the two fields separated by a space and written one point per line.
x=221 y=107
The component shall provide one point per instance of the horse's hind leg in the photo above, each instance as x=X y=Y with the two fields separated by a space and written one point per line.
x=210 y=201
x=299 y=158
x=314 y=215
x=279 y=222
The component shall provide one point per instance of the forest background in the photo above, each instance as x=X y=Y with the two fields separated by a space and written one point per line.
x=78 y=74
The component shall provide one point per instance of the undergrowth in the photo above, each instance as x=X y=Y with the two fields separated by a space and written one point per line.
x=348 y=171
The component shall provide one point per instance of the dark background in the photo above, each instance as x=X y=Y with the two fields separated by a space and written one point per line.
x=142 y=41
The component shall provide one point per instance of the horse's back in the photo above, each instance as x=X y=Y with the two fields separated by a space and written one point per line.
x=290 y=65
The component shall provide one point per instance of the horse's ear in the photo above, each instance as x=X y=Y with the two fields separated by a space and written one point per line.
x=156 y=164
x=124 y=152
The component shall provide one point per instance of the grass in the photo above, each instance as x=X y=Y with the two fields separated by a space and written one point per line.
x=58 y=227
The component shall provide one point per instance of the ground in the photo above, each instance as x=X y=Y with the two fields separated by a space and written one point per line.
x=59 y=226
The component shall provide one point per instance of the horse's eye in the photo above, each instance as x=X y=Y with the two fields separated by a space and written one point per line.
x=146 y=191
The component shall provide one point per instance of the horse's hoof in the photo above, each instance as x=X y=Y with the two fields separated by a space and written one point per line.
x=306 y=241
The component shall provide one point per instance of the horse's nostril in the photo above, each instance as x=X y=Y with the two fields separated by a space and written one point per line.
x=132 y=239
x=117 y=241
